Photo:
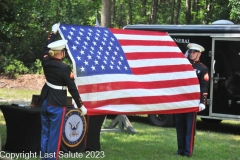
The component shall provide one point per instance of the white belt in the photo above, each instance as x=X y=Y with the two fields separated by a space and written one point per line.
x=56 y=87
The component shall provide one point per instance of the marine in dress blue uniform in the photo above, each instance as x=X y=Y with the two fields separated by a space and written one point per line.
x=186 y=122
x=59 y=78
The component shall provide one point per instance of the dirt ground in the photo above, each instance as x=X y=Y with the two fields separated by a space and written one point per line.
x=27 y=81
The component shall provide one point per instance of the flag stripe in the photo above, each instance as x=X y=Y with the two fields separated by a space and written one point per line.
x=133 y=108
x=149 y=106
x=133 y=78
x=157 y=62
x=129 y=49
x=140 y=33
x=142 y=37
x=146 y=43
x=152 y=55
x=161 y=69
x=100 y=87
x=144 y=100
x=108 y=111
x=123 y=93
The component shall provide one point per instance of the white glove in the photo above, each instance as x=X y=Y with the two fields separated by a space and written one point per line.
x=84 y=110
x=201 y=107
x=55 y=27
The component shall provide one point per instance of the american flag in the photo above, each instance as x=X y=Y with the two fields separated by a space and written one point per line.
x=130 y=72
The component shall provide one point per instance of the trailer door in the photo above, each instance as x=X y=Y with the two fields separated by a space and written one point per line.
x=225 y=78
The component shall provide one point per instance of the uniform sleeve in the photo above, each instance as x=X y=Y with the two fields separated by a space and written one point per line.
x=50 y=39
x=45 y=88
x=204 y=85
x=43 y=93
x=69 y=79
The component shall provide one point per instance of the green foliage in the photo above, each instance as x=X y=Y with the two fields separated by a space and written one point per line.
x=68 y=61
x=220 y=10
x=13 y=66
x=235 y=10
x=36 y=67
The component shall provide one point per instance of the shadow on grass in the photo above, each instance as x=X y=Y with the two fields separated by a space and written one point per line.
x=223 y=127
x=132 y=118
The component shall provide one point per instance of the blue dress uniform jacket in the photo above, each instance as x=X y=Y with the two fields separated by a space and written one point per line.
x=186 y=122
x=202 y=74
x=60 y=74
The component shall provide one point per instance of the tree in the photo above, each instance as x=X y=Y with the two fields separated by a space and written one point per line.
x=154 y=10
x=188 y=11
x=235 y=11
x=130 y=11
x=106 y=13
x=172 y=11
x=195 y=9
x=178 y=9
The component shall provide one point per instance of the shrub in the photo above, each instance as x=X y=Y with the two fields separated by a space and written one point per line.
x=13 y=67
x=36 y=67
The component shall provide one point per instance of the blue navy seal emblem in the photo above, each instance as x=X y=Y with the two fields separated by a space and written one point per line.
x=74 y=129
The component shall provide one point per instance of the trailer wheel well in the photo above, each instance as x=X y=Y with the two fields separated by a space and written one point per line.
x=162 y=120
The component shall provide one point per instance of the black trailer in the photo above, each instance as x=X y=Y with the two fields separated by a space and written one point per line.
x=221 y=56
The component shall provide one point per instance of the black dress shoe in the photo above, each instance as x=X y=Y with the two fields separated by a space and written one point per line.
x=186 y=156
x=178 y=154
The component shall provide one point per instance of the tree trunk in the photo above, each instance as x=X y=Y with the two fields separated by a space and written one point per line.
x=113 y=10
x=178 y=8
x=195 y=9
x=120 y=16
x=106 y=13
x=154 y=9
x=172 y=12
x=143 y=8
x=188 y=11
x=209 y=7
x=130 y=11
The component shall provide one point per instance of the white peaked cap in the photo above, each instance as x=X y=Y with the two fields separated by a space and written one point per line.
x=57 y=45
x=195 y=47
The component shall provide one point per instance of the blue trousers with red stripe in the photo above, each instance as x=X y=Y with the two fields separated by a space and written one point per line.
x=185 y=127
x=52 y=119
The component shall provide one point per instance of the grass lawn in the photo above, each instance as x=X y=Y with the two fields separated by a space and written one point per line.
x=212 y=141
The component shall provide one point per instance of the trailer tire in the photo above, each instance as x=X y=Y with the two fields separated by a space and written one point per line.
x=162 y=120
x=215 y=121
